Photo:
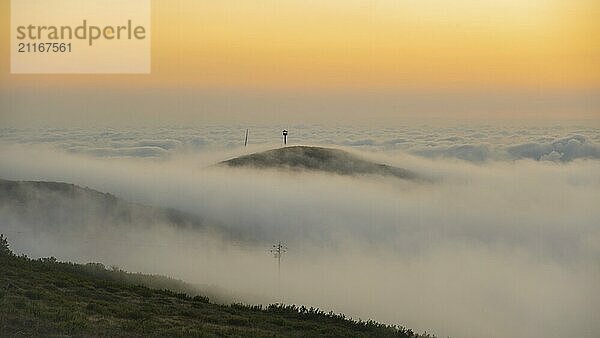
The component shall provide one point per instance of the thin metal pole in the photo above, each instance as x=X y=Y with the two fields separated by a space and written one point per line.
x=278 y=250
x=279 y=271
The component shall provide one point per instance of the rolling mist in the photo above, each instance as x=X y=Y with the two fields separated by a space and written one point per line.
x=479 y=249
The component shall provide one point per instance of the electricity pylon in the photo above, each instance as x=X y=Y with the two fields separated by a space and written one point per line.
x=278 y=250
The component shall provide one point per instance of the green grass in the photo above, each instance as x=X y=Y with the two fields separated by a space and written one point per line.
x=48 y=298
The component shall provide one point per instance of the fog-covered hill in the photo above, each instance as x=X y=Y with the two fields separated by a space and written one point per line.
x=50 y=204
x=318 y=159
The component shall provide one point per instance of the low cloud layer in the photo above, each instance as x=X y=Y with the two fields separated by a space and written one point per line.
x=472 y=143
x=493 y=248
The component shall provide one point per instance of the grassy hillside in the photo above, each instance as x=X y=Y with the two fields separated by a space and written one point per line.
x=48 y=298
x=333 y=161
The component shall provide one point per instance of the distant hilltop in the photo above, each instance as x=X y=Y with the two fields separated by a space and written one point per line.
x=45 y=204
x=318 y=159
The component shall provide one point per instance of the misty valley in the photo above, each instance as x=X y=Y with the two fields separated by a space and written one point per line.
x=374 y=241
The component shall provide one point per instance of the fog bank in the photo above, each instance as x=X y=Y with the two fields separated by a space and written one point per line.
x=494 y=249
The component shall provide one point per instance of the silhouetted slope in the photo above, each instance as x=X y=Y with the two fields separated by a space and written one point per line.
x=318 y=159
x=49 y=204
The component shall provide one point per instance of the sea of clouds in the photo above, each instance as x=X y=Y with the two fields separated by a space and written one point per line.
x=473 y=143
x=504 y=240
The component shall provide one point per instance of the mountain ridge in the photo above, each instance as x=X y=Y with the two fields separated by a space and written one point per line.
x=20 y=197
x=317 y=159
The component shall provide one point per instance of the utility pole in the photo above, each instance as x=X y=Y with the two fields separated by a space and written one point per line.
x=285 y=134
x=246 y=139
x=278 y=250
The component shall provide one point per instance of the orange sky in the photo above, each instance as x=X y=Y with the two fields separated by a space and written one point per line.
x=350 y=45
x=422 y=44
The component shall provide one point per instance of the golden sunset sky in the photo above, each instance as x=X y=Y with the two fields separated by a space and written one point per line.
x=543 y=54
